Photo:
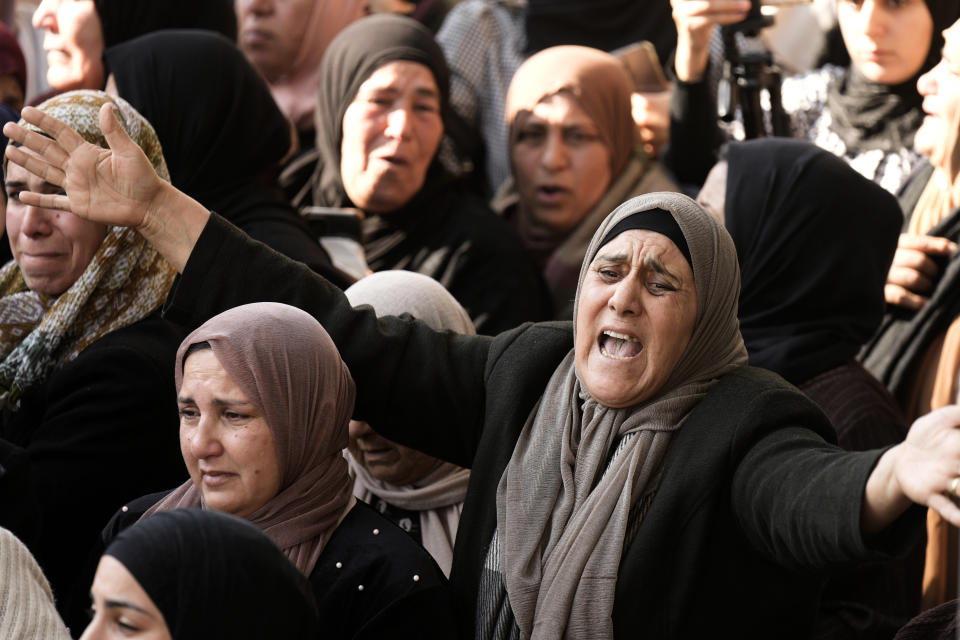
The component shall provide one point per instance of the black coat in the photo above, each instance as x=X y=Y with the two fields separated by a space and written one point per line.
x=753 y=501
x=100 y=431
x=371 y=581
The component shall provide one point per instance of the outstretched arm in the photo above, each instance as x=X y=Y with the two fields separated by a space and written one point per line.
x=116 y=186
x=924 y=468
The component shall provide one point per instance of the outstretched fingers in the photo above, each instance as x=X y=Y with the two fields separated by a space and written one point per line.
x=65 y=136
x=37 y=165
x=45 y=200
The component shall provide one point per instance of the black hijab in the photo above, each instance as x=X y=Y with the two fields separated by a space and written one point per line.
x=214 y=141
x=124 y=20
x=869 y=115
x=601 y=24
x=214 y=576
x=224 y=146
x=351 y=58
x=814 y=240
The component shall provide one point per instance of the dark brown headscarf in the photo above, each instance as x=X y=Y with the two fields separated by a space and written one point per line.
x=289 y=368
x=351 y=58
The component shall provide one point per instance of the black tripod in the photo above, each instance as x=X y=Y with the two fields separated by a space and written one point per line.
x=748 y=70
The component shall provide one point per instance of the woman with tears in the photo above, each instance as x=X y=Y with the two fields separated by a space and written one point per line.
x=627 y=468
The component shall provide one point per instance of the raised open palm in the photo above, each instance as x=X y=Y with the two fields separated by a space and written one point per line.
x=114 y=186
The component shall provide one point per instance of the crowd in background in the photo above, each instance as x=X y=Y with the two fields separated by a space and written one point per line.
x=440 y=319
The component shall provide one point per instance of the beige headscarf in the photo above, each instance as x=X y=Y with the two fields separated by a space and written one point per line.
x=439 y=495
x=27 y=611
x=290 y=370
x=562 y=537
x=601 y=86
x=296 y=92
x=126 y=280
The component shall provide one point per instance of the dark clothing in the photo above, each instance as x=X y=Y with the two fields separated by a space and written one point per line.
x=442 y=231
x=455 y=239
x=393 y=603
x=406 y=519
x=904 y=337
x=213 y=151
x=799 y=317
x=601 y=24
x=100 y=430
x=212 y=575
x=876 y=600
x=753 y=500
x=123 y=20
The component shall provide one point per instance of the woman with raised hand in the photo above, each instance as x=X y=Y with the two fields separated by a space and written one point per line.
x=189 y=573
x=212 y=152
x=87 y=413
x=627 y=468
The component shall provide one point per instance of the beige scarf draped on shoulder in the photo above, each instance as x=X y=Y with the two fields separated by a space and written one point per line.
x=562 y=536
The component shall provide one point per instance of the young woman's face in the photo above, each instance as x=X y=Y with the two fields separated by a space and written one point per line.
x=888 y=40
x=560 y=164
x=226 y=443
x=121 y=608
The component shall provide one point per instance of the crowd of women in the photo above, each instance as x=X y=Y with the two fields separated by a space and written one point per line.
x=454 y=352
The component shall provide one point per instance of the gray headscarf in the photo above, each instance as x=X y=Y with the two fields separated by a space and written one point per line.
x=561 y=536
x=439 y=495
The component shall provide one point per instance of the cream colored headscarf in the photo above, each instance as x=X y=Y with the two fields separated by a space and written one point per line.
x=439 y=495
x=562 y=537
x=27 y=611
x=126 y=280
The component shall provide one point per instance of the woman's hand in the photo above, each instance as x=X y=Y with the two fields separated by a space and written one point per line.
x=913 y=271
x=923 y=469
x=695 y=20
x=116 y=186
x=651 y=113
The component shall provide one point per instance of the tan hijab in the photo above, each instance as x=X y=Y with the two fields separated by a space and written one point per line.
x=601 y=86
x=562 y=537
x=289 y=368
x=296 y=92
x=439 y=495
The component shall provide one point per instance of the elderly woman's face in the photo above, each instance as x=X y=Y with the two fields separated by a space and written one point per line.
x=561 y=165
x=386 y=460
x=121 y=608
x=391 y=132
x=940 y=88
x=73 y=42
x=887 y=40
x=52 y=247
x=226 y=443
x=638 y=305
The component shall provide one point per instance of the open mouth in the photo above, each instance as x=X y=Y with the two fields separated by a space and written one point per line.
x=619 y=346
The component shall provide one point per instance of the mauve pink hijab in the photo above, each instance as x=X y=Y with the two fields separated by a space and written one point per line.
x=288 y=367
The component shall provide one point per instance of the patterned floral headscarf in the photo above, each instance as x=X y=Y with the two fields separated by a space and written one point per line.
x=126 y=280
